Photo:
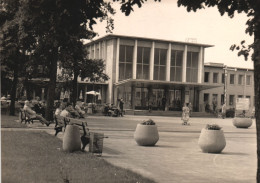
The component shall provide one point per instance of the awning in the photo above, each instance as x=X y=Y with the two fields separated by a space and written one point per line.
x=156 y=84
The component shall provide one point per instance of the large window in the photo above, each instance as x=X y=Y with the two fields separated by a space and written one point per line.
x=206 y=77
x=240 y=79
x=176 y=65
x=222 y=78
x=192 y=67
x=160 y=64
x=232 y=79
x=231 y=99
x=143 y=60
x=215 y=77
x=125 y=62
x=248 y=80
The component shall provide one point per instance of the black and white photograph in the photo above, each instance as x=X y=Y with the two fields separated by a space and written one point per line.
x=130 y=91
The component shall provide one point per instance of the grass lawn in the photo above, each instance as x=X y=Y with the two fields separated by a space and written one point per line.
x=34 y=156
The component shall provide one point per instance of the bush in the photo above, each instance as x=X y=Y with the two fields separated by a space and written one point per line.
x=212 y=127
x=230 y=113
x=148 y=122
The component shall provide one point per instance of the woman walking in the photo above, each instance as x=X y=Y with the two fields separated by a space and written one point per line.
x=185 y=114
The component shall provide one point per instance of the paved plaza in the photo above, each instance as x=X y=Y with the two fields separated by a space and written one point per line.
x=177 y=156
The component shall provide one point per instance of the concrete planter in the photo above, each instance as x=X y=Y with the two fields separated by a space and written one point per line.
x=71 y=139
x=146 y=135
x=212 y=141
x=242 y=122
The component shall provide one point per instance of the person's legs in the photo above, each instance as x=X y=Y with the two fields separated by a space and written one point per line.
x=42 y=119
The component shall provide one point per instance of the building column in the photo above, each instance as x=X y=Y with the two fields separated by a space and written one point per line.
x=117 y=59
x=134 y=60
x=166 y=92
x=184 y=64
x=99 y=50
x=151 y=67
x=200 y=65
x=115 y=102
x=168 y=62
x=133 y=88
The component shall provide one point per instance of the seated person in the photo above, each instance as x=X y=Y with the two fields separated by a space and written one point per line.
x=33 y=114
x=69 y=112
x=59 y=108
x=78 y=107
x=38 y=107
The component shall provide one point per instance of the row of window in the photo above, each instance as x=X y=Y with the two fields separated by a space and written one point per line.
x=232 y=78
x=230 y=102
x=160 y=60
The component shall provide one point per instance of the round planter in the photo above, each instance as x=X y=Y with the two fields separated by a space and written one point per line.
x=242 y=122
x=146 y=135
x=71 y=139
x=212 y=141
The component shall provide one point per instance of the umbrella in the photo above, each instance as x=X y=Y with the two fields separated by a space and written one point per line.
x=92 y=93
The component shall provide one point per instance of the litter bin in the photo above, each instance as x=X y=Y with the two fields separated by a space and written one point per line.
x=96 y=142
x=71 y=139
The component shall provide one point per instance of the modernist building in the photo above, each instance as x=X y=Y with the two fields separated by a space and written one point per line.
x=239 y=84
x=147 y=72
x=159 y=74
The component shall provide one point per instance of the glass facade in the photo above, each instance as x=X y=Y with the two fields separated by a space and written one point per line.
x=143 y=61
x=125 y=62
x=160 y=56
x=192 y=67
x=176 y=65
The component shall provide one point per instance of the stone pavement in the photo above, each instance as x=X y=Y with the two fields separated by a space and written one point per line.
x=177 y=156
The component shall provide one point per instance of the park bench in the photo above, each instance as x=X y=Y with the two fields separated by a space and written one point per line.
x=95 y=140
x=62 y=122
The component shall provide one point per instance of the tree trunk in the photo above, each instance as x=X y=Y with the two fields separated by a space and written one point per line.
x=13 y=92
x=75 y=88
x=51 y=87
x=256 y=59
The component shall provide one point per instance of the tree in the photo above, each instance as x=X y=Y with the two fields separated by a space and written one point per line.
x=54 y=25
x=75 y=64
x=13 y=56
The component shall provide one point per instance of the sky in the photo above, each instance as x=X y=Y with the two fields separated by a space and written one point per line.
x=165 y=20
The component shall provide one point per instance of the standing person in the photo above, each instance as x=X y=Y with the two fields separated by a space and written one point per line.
x=190 y=108
x=214 y=104
x=32 y=113
x=163 y=103
x=121 y=105
x=223 y=111
x=185 y=114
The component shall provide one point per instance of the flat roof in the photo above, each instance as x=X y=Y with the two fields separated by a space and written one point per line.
x=158 y=84
x=111 y=36
x=221 y=65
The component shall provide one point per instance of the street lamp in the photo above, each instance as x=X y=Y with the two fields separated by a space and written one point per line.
x=226 y=69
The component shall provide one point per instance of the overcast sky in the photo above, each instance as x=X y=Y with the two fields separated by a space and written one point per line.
x=165 y=20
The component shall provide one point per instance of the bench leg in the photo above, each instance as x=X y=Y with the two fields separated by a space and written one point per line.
x=58 y=129
x=84 y=141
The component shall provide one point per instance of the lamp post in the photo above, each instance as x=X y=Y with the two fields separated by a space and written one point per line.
x=226 y=69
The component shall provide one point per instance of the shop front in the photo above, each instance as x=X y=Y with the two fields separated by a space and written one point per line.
x=158 y=95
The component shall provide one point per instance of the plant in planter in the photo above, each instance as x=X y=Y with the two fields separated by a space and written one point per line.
x=212 y=139
x=146 y=133
x=242 y=120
